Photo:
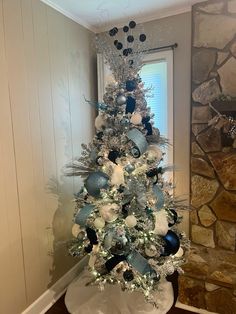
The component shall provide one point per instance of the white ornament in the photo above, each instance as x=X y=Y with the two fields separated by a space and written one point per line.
x=151 y=251
x=161 y=223
x=99 y=223
x=130 y=221
x=136 y=118
x=154 y=153
x=109 y=212
x=179 y=253
x=100 y=122
x=117 y=177
x=76 y=229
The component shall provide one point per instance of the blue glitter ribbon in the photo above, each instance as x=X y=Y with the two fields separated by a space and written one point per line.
x=82 y=216
x=136 y=260
x=160 y=196
x=138 y=139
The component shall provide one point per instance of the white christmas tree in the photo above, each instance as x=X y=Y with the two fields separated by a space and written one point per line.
x=126 y=215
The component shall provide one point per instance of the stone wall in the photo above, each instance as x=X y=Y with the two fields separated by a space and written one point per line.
x=210 y=274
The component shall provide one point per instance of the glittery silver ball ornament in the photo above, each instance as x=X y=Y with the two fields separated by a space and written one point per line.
x=129 y=168
x=95 y=182
x=121 y=100
x=108 y=131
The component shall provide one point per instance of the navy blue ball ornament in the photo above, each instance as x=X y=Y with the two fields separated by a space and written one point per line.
x=119 y=46
x=130 y=105
x=172 y=243
x=128 y=275
x=130 y=50
x=130 y=85
x=132 y=24
x=113 y=31
x=95 y=182
x=125 y=52
x=125 y=29
x=146 y=119
x=130 y=39
x=148 y=127
x=142 y=37
x=88 y=248
x=113 y=155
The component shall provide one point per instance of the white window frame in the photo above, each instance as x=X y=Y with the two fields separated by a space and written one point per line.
x=105 y=76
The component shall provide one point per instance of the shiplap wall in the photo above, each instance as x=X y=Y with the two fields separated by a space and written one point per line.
x=47 y=63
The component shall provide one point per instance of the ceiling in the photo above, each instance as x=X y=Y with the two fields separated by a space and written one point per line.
x=100 y=15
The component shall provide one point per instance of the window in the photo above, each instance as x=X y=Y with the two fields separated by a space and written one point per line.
x=157 y=73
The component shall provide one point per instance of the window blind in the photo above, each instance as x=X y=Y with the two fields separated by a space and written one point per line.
x=154 y=76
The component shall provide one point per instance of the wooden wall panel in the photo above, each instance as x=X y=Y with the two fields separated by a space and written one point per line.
x=11 y=255
x=46 y=66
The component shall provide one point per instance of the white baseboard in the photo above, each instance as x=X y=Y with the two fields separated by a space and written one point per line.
x=50 y=296
x=192 y=309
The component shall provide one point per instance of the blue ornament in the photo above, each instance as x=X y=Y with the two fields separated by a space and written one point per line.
x=145 y=119
x=130 y=105
x=119 y=46
x=125 y=29
x=148 y=127
x=128 y=275
x=83 y=214
x=95 y=182
x=149 y=210
x=131 y=85
x=125 y=52
x=130 y=38
x=172 y=243
x=142 y=37
x=113 y=155
x=113 y=31
x=132 y=24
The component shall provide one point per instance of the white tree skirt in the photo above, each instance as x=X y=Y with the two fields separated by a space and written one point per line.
x=80 y=299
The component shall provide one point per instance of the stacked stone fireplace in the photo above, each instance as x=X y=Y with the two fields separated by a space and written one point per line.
x=210 y=274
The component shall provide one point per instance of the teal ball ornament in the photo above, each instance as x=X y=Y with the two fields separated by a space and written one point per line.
x=95 y=182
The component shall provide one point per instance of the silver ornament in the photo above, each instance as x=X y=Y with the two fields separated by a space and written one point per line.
x=121 y=100
x=124 y=121
x=95 y=182
x=108 y=131
x=129 y=168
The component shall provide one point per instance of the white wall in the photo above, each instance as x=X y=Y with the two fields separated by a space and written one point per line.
x=46 y=65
